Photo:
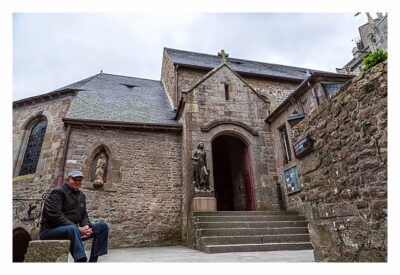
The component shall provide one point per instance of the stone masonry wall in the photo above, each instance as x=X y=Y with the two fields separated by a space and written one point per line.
x=275 y=90
x=50 y=158
x=206 y=104
x=141 y=199
x=303 y=104
x=168 y=79
x=344 y=180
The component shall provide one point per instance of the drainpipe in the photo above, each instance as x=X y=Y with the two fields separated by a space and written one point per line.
x=60 y=176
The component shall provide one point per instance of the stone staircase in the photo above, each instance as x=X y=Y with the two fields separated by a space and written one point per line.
x=245 y=231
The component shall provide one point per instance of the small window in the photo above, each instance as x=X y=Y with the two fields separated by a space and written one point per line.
x=331 y=88
x=285 y=144
x=291 y=181
x=33 y=148
x=227 y=88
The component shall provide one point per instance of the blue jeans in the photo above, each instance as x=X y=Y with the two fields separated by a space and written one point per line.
x=71 y=232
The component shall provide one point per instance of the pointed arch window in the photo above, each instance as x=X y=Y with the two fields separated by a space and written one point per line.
x=33 y=148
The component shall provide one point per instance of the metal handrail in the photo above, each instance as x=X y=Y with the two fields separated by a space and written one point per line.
x=29 y=210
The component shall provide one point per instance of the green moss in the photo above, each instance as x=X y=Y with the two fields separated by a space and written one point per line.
x=365 y=123
x=373 y=58
x=366 y=85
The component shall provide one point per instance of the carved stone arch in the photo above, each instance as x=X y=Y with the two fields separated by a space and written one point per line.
x=250 y=140
x=236 y=134
x=90 y=161
x=26 y=131
x=216 y=123
x=94 y=159
x=254 y=143
x=236 y=130
x=32 y=120
x=34 y=117
x=99 y=147
x=233 y=149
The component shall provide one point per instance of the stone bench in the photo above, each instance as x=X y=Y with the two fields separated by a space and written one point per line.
x=48 y=251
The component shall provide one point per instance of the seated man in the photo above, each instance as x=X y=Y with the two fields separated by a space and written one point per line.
x=64 y=217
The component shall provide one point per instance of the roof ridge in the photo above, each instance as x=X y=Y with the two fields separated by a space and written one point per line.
x=133 y=77
x=248 y=60
x=83 y=81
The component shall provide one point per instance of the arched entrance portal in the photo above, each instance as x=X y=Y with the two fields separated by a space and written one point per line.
x=232 y=174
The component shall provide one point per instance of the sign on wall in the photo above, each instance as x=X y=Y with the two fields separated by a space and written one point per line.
x=291 y=181
x=303 y=147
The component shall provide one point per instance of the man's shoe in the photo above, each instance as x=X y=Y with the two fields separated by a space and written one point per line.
x=93 y=259
x=81 y=260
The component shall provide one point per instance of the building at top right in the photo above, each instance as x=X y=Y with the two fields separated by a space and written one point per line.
x=373 y=35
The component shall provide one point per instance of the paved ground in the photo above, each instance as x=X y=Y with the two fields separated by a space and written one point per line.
x=184 y=254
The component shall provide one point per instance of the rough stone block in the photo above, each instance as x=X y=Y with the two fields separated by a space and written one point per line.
x=372 y=256
x=204 y=204
x=48 y=251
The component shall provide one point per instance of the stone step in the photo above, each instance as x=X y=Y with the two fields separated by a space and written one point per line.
x=256 y=247
x=248 y=218
x=250 y=231
x=254 y=239
x=243 y=213
x=251 y=224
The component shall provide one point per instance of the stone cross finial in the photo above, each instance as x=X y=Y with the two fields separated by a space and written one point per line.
x=223 y=56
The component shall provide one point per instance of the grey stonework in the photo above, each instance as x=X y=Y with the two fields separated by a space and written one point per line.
x=50 y=157
x=344 y=181
x=47 y=251
x=204 y=105
x=141 y=200
x=275 y=90
x=181 y=78
x=147 y=194
x=373 y=35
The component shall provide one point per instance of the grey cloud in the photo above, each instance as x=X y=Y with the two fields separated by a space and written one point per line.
x=53 y=50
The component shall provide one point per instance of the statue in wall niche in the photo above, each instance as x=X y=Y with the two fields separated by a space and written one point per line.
x=200 y=171
x=100 y=168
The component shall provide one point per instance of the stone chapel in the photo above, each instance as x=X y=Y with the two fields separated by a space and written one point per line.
x=145 y=132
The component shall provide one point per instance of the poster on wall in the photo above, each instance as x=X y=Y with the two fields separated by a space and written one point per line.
x=291 y=181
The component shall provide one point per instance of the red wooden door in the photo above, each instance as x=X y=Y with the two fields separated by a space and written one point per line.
x=248 y=181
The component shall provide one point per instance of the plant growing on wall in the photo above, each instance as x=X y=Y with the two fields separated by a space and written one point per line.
x=366 y=85
x=373 y=58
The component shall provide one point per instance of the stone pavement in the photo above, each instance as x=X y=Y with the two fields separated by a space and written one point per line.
x=183 y=254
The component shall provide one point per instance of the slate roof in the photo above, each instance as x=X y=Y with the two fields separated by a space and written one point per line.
x=206 y=61
x=116 y=98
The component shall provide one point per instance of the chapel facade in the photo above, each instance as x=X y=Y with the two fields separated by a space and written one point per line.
x=145 y=131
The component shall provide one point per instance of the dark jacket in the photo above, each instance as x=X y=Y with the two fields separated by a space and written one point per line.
x=63 y=207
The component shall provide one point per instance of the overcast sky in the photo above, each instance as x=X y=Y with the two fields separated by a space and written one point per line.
x=57 y=49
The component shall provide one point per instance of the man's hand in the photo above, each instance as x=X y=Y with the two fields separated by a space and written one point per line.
x=85 y=231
